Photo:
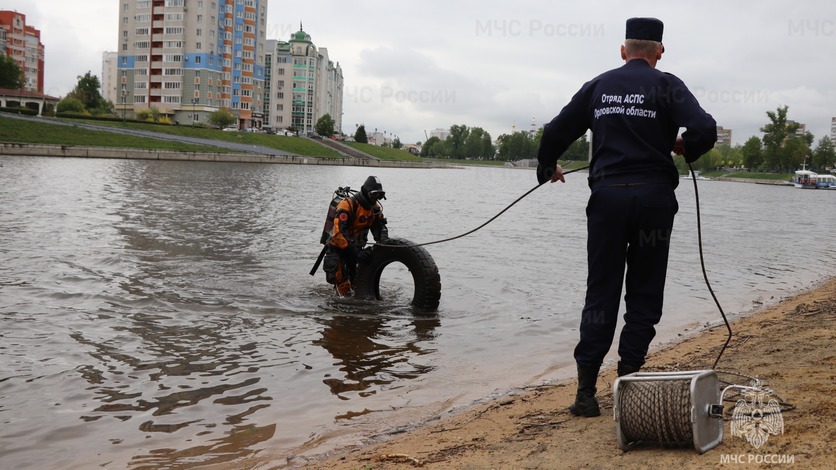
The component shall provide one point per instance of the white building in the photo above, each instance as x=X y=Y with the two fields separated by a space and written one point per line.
x=442 y=134
x=110 y=80
x=302 y=84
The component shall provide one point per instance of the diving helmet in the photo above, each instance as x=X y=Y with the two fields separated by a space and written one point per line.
x=372 y=189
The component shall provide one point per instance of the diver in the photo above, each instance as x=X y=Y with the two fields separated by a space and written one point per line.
x=346 y=247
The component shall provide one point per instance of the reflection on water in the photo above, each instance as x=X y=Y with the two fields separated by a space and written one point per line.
x=160 y=314
x=372 y=354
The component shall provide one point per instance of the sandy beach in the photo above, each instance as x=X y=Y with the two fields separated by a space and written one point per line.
x=788 y=346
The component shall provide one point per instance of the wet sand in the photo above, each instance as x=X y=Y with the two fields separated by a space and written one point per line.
x=789 y=346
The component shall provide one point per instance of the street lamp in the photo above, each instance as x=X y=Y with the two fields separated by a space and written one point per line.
x=194 y=111
x=124 y=103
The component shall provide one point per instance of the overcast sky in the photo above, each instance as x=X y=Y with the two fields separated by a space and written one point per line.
x=411 y=66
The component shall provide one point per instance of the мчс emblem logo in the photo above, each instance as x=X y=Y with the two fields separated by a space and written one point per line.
x=756 y=420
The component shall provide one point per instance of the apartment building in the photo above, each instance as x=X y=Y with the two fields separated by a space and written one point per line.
x=22 y=43
x=110 y=77
x=724 y=136
x=302 y=84
x=187 y=59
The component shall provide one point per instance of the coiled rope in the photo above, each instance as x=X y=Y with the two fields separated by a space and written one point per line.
x=657 y=411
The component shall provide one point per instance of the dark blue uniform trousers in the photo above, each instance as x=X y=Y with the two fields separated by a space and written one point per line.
x=629 y=226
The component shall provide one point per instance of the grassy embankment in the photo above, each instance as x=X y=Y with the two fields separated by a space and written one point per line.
x=29 y=132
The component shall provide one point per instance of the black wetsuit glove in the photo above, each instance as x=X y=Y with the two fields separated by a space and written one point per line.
x=364 y=255
x=544 y=173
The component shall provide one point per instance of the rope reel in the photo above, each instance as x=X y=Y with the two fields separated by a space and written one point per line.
x=669 y=409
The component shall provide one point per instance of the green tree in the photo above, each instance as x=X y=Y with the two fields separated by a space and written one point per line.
x=516 y=146
x=70 y=105
x=478 y=144
x=578 y=151
x=360 y=135
x=325 y=126
x=426 y=149
x=454 y=144
x=221 y=118
x=397 y=143
x=752 y=153
x=87 y=91
x=11 y=76
x=783 y=148
x=824 y=155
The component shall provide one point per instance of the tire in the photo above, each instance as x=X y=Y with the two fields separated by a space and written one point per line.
x=420 y=263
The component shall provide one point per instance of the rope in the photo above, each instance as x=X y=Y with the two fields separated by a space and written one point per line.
x=704 y=274
x=489 y=220
x=656 y=411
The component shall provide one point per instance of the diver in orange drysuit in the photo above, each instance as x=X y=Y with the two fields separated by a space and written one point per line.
x=355 y=216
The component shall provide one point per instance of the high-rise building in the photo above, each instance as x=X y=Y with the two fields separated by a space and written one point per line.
x=302 y=85
x=723 y=136
x=110 y=80
x=189 y=59
x=22 y=43
x=833 y=130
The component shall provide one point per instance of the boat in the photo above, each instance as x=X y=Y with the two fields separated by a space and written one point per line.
x=804 y=178
x=826 y=181
x=695 y=174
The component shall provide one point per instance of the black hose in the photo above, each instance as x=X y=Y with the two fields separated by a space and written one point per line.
x=492 y=218
x=704 y=274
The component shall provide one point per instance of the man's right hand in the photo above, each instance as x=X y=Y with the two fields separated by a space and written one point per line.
x=552 y=174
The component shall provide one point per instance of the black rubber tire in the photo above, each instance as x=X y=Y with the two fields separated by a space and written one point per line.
x=420 y=263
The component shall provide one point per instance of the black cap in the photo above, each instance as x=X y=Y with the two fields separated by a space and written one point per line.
x=644 y=28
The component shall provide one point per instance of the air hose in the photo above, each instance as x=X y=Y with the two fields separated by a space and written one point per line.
x=492 y=218
x=704 y=274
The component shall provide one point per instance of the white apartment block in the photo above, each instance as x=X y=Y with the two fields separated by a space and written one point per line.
x=110 y=80
x=189 y=58
x=302 y=85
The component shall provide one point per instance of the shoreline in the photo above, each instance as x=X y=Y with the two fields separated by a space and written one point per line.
x=788 y=345
x=118 y=153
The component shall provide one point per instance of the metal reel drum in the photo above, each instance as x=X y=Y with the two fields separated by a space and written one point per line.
x=671 y=409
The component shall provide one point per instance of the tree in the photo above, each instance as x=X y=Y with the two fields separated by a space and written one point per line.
x=221 y=118
x=477 y=144
x=783 y=148
x=516 y=146
x=426 y=149
x=752 y=153
x=455 y=141
x=360 y=135
x=397 y=143
x=87 y=91
x=325 y=126
x=824 y=156
x=70 y=105
x=11 y=76
x=578 y=151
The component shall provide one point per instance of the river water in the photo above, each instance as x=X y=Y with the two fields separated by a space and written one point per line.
x=160 y=314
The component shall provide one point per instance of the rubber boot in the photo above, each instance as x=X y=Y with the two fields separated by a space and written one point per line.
x=624 y=369
x=585 y=402
x=344 y=288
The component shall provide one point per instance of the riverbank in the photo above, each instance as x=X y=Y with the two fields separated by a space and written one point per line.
x=789 y=346
x=65 y=151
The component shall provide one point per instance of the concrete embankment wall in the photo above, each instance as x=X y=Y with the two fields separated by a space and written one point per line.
x=750 y=180
x=37 y=150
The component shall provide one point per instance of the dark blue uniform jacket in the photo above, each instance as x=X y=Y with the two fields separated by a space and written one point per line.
x=635 y=113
